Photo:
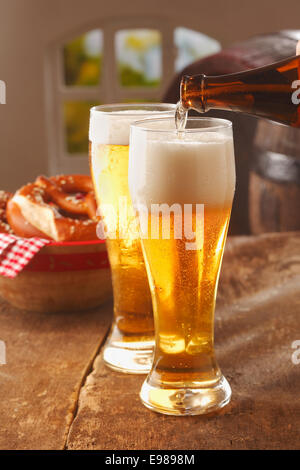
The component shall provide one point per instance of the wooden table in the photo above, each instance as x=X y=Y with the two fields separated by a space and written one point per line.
x=55 y=392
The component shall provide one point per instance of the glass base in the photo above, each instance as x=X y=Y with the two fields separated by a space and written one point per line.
x=133 y=356
x=186 y=401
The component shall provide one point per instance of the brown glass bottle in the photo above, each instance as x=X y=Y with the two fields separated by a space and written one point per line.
x=272 y=92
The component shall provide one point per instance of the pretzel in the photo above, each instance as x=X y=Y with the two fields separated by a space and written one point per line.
x=21 y=226
x=4 y=198
x=59 y=187
x=61 y=208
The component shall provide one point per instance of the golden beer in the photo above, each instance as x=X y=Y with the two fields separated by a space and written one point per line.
x=130 y=345
x=184 y=287
x=195 y=169
x=132 y=299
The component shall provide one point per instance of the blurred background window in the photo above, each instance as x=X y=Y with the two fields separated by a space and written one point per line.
x=76 y=119
x=192 y=45
x=83 y=59
x=117 y=65
x=82 y=69
x=139 y=57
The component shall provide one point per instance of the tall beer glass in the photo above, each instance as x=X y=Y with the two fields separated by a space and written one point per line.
x=182 y=187
x=129 y=347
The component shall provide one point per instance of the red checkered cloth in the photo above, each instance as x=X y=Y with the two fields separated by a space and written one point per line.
x=16 y=252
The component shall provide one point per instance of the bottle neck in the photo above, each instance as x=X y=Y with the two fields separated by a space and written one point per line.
x=269 y=91
x=193 y=92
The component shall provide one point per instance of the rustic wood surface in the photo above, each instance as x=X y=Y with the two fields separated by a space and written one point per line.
x=53 y=395
x=48 y=358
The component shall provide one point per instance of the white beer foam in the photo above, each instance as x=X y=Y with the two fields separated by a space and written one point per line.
x=113 y=128
x=193 y=169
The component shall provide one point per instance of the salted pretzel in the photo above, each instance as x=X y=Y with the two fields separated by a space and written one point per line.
x=60 y=208
x=4 y=198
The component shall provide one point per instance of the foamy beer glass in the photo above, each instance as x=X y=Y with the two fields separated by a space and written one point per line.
x=182 y=187
x=129 y=347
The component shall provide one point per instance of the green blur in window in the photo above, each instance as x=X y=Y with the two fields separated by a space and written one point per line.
x=139 y=57
x=76 y=124
x=83 y=59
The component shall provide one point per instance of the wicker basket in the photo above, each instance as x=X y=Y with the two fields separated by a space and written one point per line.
x=68 y=276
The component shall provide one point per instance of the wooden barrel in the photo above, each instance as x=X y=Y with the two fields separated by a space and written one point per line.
x=274 y=182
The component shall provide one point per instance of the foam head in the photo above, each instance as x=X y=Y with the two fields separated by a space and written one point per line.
x=111 y=124
x=196 y=168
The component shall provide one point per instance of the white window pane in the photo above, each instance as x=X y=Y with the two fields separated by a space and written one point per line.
x=192 y=45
